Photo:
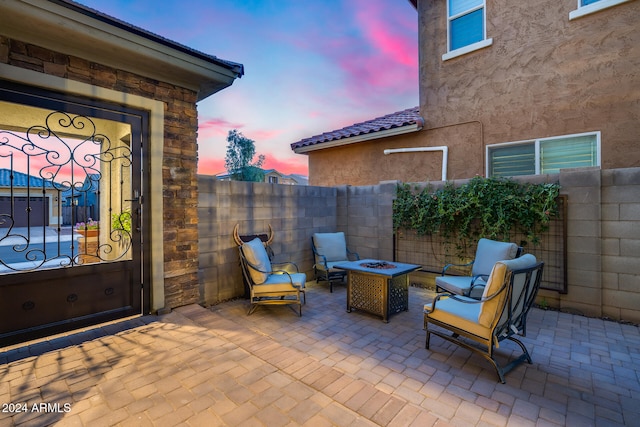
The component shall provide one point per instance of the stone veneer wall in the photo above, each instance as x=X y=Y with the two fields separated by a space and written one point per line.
x=179 y=153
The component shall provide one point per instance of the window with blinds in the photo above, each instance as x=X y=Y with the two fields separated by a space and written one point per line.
x=587 y=7
x=543 y=156
x=466 y=22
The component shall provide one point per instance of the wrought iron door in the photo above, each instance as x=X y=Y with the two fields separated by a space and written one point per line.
x=71 y=213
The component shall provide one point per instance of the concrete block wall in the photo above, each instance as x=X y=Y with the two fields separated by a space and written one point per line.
x=583 y=188
x=620 y=253
x=603 y=233
x=366 y=216
x=603 y=243
x=294 y=212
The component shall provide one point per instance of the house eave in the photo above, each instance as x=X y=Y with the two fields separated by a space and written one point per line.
x=359 y=138
x=72 y=30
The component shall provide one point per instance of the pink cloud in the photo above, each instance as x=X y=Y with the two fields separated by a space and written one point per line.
x=210 y=166
x=380 y=29
x=216 y=127
x=262 y=135
x=288 y=166
x=379 y=53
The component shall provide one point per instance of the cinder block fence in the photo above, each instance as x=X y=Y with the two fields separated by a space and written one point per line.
x=603 y=233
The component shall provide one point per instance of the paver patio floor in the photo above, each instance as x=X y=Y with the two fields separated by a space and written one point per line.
x=218 y=366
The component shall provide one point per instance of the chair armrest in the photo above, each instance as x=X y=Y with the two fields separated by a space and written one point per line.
x=446 y=267
x=283 y=272
x=316 y=254
x=324 y=261
x=474 y=283
x=455 y=297
x=353 y=254
x=466 y=300
x=295 y=266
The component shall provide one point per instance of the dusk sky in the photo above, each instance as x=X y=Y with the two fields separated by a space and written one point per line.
x=310 y=66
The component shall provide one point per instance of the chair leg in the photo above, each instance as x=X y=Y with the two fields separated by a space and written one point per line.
x=252 y=308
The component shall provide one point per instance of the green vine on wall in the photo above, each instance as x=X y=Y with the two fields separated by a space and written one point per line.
x=484 y=207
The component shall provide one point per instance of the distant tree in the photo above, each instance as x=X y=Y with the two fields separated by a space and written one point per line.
x=240 y=152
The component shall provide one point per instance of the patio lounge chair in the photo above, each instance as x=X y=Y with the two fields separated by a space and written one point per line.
x=488 y=253
x=500 y=314
x=270 y=286
x=330 y=249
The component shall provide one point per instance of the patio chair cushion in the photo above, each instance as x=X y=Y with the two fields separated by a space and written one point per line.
x=519 y=282
x=488 y=316
x=257 y=256
x=463 y=316
x=332 y=245
x=459 y=285
x=489 y=252
x=278 y=284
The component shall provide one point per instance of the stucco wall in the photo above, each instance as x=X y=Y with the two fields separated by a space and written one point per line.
x=543 y=76
x=364 y=163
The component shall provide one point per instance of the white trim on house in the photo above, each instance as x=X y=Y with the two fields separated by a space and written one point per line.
x=467 y=49
x=470 y=47
x=536 y=143
x=593 y=8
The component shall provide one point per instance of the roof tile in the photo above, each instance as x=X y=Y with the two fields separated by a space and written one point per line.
x=406 y=117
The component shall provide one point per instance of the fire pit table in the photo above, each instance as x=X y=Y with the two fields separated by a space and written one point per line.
x=378 y=287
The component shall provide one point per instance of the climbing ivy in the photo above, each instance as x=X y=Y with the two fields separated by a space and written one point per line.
x=484 y=207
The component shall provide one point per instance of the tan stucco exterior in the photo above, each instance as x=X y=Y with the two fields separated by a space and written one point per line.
x=544 y=75
x=364 y=163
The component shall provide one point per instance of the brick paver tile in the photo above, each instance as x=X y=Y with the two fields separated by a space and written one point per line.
x=388 y=411
x=272 y=417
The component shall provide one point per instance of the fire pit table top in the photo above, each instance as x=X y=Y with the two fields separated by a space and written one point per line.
x=376 y=266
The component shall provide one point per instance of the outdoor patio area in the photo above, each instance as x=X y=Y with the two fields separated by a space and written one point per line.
x=218 y=366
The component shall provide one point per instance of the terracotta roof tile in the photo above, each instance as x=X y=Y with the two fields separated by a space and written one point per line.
x=406 y=117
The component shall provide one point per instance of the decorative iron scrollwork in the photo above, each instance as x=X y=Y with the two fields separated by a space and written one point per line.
x=67 y=159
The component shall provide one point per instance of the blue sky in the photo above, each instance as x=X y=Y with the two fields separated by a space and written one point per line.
x=310 y=66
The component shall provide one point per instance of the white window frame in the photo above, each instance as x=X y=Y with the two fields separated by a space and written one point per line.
x=537 y=143
x=593 y=7
x=471 y=47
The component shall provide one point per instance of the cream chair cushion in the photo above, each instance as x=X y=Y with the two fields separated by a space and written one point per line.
x=488 y=316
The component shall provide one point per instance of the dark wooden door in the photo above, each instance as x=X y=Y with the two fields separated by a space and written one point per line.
x=55 y=277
